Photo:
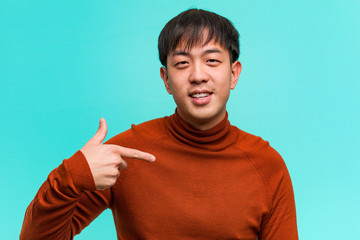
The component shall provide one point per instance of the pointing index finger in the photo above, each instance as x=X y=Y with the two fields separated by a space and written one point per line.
x=136 y=154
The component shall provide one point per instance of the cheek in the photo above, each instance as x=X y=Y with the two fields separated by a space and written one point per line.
x=224 y=86
x=223 y=80
x=173 y=89
x=178 y=90
x=177 y=84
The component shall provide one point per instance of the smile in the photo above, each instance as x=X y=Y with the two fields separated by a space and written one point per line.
x=200 y=95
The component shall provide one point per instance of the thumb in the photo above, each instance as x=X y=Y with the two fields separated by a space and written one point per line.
x=100 y=135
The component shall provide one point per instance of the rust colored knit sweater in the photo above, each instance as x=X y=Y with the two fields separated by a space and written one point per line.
x=221 y=183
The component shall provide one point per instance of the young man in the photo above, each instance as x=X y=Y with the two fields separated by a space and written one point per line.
x=210 y=180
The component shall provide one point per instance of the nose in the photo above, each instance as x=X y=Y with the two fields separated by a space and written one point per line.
x=198 y=74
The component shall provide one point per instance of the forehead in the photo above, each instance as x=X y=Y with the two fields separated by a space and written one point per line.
x=211 y=46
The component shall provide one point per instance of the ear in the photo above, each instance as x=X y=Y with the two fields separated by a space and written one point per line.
x=235 y=73
x=164 y=76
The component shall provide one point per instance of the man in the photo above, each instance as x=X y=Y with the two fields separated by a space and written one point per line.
x=210 y=180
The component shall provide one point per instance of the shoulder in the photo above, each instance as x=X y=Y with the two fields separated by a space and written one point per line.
x=259 y=150
x=266 y=160
x=144 y=133
x=150 y=127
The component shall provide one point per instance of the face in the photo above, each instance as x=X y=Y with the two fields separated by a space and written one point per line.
x=200 y=80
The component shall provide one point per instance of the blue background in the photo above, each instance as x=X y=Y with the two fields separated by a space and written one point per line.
x=65 y=64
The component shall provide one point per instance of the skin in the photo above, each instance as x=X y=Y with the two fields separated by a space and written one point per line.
x=106 y=160
x=202 y=69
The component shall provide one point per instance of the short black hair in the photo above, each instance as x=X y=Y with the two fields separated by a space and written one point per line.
x=189 y=27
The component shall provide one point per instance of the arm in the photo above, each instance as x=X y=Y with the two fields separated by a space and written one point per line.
x=78 y=190
x=280 y=222
x=66 y=202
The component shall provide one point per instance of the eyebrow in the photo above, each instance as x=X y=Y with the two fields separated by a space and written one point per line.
x=212 y=50
x=180 y=53
x=185 y=53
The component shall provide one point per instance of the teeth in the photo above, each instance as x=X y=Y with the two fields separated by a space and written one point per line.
x=200 y=95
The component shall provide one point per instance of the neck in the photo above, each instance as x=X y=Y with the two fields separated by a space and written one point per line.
x=203 y=124
x=216 y=138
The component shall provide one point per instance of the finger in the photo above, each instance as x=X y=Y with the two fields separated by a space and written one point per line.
x=122 y=165
x=100 y=135
x=136 y=154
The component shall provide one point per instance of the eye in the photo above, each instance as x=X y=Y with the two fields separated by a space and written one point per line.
x=181 y=64
x=213 y=61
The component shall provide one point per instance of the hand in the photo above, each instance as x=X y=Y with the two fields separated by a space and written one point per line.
x=105 y=160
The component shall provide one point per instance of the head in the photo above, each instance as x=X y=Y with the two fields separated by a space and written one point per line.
x=198 y=27
x=199 y=52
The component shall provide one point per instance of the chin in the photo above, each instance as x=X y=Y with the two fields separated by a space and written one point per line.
x=203 y=116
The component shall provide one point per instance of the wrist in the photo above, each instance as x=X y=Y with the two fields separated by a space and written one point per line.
x=80 y=172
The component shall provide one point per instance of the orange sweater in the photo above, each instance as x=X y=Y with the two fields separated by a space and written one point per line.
x=220 y=183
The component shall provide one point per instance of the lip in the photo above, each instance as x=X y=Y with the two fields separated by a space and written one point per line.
x=200 y=91
x=201 y=101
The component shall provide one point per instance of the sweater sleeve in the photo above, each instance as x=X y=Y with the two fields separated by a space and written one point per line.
x=280 y=222
x=65 y=203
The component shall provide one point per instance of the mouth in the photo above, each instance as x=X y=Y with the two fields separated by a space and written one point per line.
x=200 y=95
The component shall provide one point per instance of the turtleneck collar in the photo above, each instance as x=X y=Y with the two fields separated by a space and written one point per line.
x=216 y=138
